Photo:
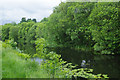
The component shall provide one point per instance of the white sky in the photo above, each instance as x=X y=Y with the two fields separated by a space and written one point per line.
x=14 y=10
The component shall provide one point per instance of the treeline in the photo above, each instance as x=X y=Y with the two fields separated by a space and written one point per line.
x=92 y=25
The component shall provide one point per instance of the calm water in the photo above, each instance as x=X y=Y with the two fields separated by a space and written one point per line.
x=101 y=64
x=105 y=64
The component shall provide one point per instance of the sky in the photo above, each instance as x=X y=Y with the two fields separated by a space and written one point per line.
x=14 y=10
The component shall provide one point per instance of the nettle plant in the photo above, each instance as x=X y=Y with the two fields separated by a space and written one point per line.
x=23 y=55
x=11 y=42
x=58 y=68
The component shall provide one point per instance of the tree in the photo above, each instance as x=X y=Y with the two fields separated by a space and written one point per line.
x=104 y=27
x=29 y=19
x=34 y=20
x=13 y=33
x=5 y=31
x=23 y=20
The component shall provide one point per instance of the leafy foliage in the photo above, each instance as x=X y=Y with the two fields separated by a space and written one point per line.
x=57 y=67
x=83 y=25
x=11 y=42
x=14 y=66
x=13 y=33
x=5 y=31
x=104 y=27
x=26 y=37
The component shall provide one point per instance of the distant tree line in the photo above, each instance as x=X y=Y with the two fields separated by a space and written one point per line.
x=28 y=20
x=78 y=25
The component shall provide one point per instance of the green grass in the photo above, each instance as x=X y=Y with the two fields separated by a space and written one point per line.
x=13 y=66
x=16 y=66
x=0 y=61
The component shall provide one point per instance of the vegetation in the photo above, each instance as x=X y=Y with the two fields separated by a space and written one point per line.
x=104 y=27
x=55 y=66
x=15 y=66
x=0 y=61
x=84 y=26
x=19 y=65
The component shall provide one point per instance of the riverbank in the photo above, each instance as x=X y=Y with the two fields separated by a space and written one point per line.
x=18 y=65
x=14 y=66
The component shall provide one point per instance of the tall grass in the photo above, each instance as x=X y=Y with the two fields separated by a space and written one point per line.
x=13 y=66
x=0 y=61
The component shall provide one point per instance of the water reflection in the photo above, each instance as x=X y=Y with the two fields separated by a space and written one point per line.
x=85 y=64
x=104 y=64
x=36 y=59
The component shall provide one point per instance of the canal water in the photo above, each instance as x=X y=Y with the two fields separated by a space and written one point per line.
x=101 y=64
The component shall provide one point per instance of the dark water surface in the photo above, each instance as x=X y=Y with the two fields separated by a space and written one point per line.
x=104 y=64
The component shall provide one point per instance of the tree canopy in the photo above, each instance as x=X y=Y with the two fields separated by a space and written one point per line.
x=93 y=25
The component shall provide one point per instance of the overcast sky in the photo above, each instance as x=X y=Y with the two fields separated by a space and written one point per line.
x=14 y=10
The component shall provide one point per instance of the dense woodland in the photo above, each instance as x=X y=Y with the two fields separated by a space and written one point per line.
x=85 y=26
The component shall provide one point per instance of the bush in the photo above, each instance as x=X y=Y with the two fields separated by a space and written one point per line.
x=14 y=66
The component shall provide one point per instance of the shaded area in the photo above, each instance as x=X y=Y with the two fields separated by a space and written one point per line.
x=104 y=64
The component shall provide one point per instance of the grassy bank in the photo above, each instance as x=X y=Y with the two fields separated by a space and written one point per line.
x=14 y=66
x=0 y=61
